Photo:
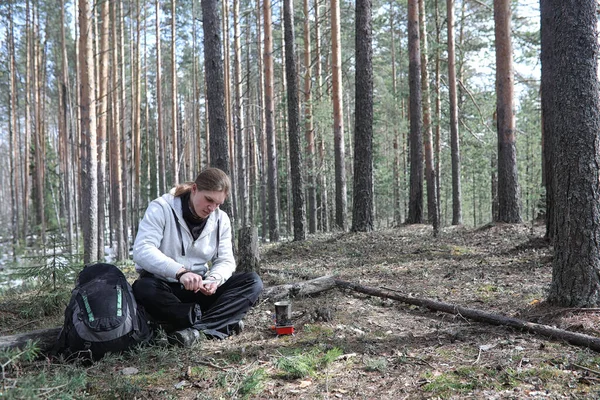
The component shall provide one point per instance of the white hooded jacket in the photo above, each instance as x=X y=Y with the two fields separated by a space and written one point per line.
x=158 y=245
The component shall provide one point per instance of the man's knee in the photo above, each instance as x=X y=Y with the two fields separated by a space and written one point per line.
x=257 y=283
x=254 y=285
x=146 y=288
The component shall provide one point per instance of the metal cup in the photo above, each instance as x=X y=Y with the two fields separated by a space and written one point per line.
x=283 y=313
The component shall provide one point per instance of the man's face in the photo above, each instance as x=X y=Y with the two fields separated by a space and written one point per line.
x=205 y=202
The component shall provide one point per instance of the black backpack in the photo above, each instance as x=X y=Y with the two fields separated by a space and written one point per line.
x=102 y=315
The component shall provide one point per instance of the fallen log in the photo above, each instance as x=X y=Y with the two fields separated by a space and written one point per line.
x=299 y=289
x=45 y=338
x=577 y=339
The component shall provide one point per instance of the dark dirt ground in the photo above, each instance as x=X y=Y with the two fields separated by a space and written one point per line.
x=387 y=349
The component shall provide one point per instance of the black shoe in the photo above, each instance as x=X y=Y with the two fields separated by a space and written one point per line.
x=185 y=337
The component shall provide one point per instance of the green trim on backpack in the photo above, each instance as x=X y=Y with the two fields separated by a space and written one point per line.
x=119 y=301
x=88 y=308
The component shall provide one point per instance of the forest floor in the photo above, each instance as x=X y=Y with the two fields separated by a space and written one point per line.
x=349 y=345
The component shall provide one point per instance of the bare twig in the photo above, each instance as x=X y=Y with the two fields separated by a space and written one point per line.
x=593 y=371
x=475 y=104
x=209 y=364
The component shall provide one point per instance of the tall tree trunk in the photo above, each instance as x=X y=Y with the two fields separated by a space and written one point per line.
x=570 y=80
x=283 y=141
x=318 y=66
x=149 y=137
x=136 y=137
x=270 y=125
x=508 y=185
x=293 y=105
x=262 y=142
x=261 y=137
x=494 y=184
x=242 y=173
x=341 y=202
x=438 y=111
x=102 y=124
x=251 y=122
x=197 y=89
x=362 y=209
x=396 y=145
x=219 y=146
x=322 y=197
x=28 y=102
x=415 y=205
x=114 y=145
x=228 y=105
x=454 y=138
x=175 y=130
x=162 y=167
x=432 y=203
x=39 y=136
x=125 y=184
x=308 y=125
x=13 y=134
x=88 y=133
x=66 y=140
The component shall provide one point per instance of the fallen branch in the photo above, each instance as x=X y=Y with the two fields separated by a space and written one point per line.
x=574 y=338
x=299 y=289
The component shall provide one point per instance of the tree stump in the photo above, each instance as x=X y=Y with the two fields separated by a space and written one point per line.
x=248 y=258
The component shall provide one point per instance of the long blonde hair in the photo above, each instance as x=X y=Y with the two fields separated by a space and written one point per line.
x=211 y=179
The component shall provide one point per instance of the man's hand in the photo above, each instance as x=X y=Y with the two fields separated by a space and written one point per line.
x=192 y=281
x=208 y=288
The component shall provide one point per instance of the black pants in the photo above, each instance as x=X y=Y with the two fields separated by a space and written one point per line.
x=217 y=315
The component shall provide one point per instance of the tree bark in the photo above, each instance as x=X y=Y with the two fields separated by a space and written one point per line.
x=243 y=203
x=114 y=141
x=13 y=134
x=38 y=132
x=570 y=80
x=102 y=123
x=508 y=186
x=26 y=166
x=293 y=105
x=125 y=183
x=309 y=126
x=174 y=129
x=66 y=140
x=432 y=203
x=162 y=170
x=341 y=202
x=398 y=209
x=88 y=134
x=438 y=112
x=270 y=125
x=415 y=205
x=362 y=208
x=248 y=255
x=261 y=146
x=454 y=138
x=228 y=113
